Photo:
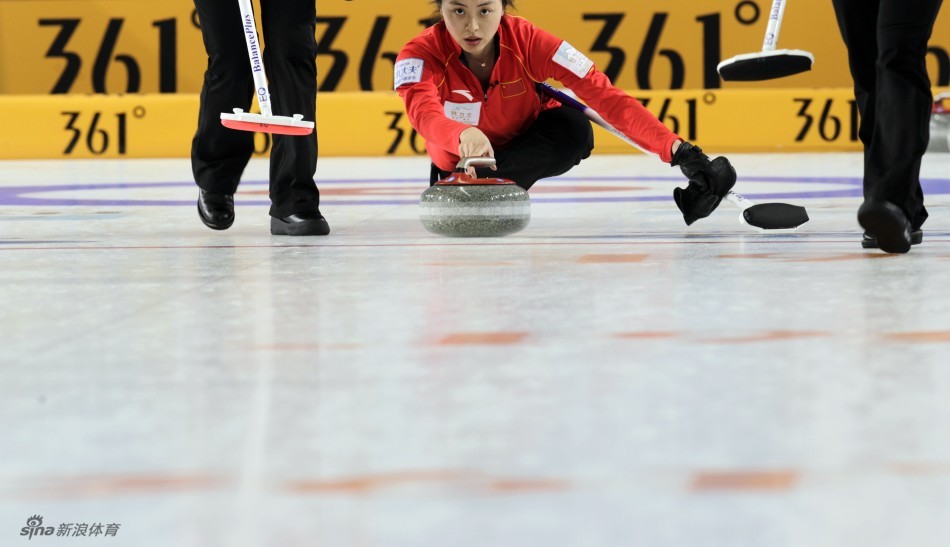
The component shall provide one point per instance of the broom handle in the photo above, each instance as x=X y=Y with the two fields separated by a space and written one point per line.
x=775 y=24
x=256 y=57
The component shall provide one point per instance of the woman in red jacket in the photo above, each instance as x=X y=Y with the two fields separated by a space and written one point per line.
x=469 y=86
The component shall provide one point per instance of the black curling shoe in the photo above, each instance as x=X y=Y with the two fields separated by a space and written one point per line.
x=870 y=242
x=309 y=223
x=216 y=210
x=887 y=224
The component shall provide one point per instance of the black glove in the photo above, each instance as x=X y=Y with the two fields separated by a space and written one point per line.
x=709 y=182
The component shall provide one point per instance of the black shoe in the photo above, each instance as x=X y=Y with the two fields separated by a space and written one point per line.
x=870 y=242
x=216 y=210
x=887 y=224
x=310 y=223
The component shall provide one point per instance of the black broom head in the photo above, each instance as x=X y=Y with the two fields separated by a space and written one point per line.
x=775 y=216
x=766 y=65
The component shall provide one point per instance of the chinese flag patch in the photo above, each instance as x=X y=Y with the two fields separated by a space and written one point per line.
x=512 y=89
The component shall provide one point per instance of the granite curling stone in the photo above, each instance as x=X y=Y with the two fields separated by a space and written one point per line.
x=940 y=124
x=462 y=206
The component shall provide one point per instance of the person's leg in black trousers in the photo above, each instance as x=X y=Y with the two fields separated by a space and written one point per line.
x=904 y=104
x=290 y=52
x=557 y=141
x=887 y=47
x=218 y=154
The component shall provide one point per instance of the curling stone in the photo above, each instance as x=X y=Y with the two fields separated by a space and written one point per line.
x=462 y=206
x=940 y=124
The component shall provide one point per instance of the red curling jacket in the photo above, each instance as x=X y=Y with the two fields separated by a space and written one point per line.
x=443 y=97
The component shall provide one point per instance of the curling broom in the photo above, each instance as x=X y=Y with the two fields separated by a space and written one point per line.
x=266 y=121
x=764 y=216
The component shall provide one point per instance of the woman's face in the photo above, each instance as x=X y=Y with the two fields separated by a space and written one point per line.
x=473 y=23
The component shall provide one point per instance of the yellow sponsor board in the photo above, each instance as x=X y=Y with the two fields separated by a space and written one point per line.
x=122 y=46
x=794 y=120
x=96 y=126
x=101 y=126
x=375 y=124
x=639 y=44
x=99 y=46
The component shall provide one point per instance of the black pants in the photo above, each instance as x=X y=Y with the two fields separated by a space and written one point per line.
x=557 y=141
x=887 y=48
x=219 y=155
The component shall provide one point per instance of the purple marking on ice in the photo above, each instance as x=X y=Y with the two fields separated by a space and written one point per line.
x=41 y=241
x=31 y=195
